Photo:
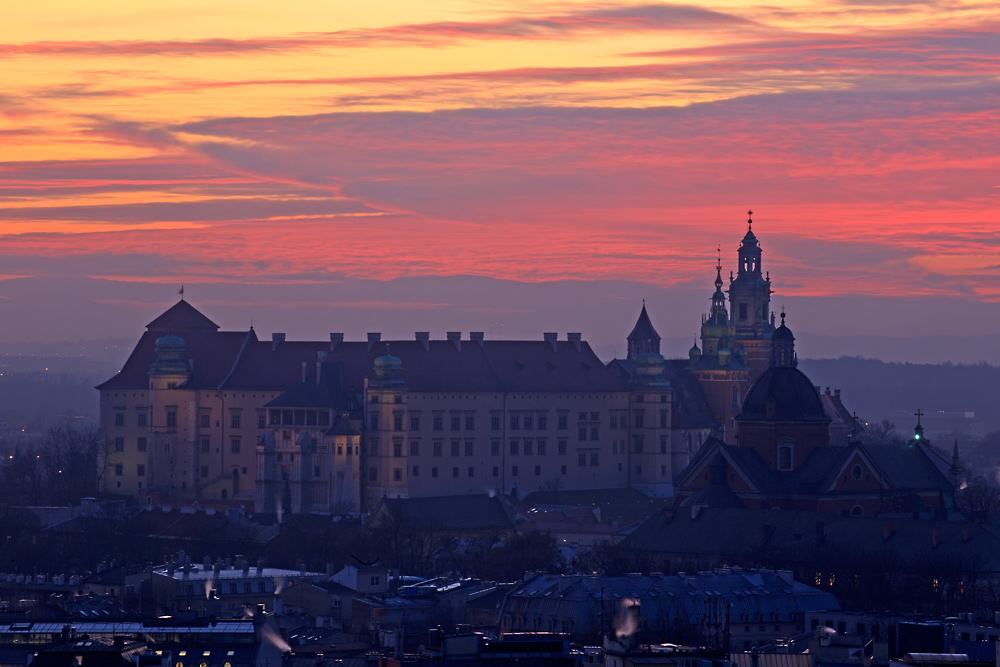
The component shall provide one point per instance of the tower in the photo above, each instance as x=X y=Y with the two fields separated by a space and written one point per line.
x=643 y=337
x=749 y=303
x=721 y=371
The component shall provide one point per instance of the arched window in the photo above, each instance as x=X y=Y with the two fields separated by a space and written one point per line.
x=857 y=510
x=736 y=396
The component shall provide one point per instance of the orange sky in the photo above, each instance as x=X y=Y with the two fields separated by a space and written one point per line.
x=235 y=143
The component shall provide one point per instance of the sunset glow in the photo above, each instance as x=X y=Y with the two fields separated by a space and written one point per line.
x=317 y=142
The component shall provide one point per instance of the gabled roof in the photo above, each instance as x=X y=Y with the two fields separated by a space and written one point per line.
x=182 y=316
x=643 y=329
x=907 y=466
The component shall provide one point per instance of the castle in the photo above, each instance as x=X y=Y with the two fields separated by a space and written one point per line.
x=226 y=418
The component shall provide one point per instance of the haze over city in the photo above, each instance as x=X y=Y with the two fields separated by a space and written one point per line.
x=513 y=168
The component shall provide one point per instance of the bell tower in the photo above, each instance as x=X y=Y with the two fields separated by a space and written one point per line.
x=750 y=303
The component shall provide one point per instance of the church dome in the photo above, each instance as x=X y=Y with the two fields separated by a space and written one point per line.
x=782 y=332
x=784 y=394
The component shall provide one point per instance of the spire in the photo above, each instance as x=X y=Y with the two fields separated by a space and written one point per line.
x=643 y=337
x=918 y=430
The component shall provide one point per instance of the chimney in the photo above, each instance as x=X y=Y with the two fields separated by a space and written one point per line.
x=304 y=366
x=552 y=339
x=887 y=530
x=820 y=532
x=477 y=337
x=260 y=566
x=373 y=337
x=276 y=340
x=935 y=537
x=424 y=338
x=966 y=533
x=576 y=339
x=836 y=394
x=335 y=340
x=456 y=338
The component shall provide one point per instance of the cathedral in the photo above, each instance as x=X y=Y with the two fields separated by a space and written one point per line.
x=225 y=418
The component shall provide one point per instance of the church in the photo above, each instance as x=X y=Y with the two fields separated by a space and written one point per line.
x=228 y=419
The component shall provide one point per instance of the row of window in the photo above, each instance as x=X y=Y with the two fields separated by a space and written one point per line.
x=308 y=417
x=397 y=473
x=517 y=422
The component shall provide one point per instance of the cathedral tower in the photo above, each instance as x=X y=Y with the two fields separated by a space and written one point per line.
x=749 y=303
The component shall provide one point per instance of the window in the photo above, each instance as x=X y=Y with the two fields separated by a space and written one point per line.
x=469 y=446
x=438 y=445
x=397 y=422
x=541 y=447
x=527 y=447
x=735 y=395
x=235 y=419
x=581 y=458
x=204 y=472
x=397 y=448
x=373 y=421
x=594 y=416
x=638 y=470
x=613 y=422
x=784 y=457
x=562 y=446
x=472 y=471
x=562 y=470
x=434 y=472
x=595 y=458
x=119 y=469
x=494 y=448
x=234 y=445
x=664 y=415
x=414 y=447
x=373 y=447
x=543 y=423
x=414 y=423
x=495 y=423
x=529 y=422
x=639 y=419
x=455 y=447
x=456 y=422
x=538 y=471
x=119 y=444
x=416 y=471
x=374 y=581
x=593 y=433
x=261 y=420
x=515 y=422
x=119 y=418
x=514 y=446
x=438 y=423
x=582 y=434
x=637 y=444
x=513 y=471
x=171 y=417
x=317 y=471
x=562 y=423
x=496 y=471
x=140 y=418
x=397 y=474
x=140 y=444
x=663 y=444
x=454 y=471
x=856 y=472
x=470 y=422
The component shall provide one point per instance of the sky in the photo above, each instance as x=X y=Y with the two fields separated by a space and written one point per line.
x=510 y=167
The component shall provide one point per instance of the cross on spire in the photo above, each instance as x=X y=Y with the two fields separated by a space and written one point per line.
x=749 y=220
x=918 y=414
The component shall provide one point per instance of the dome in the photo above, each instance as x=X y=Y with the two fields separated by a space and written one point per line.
x=785 y=394
x=649 y=372
x=388 y=361
x=170 y=342
x=648 y=359
x=782 y=332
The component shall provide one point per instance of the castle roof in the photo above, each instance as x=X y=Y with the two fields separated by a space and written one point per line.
x=180 y=317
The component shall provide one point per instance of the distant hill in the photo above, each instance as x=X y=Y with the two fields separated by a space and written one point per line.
x=876 y=389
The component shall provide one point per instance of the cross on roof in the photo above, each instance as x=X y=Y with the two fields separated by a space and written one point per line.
x=918 y=414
